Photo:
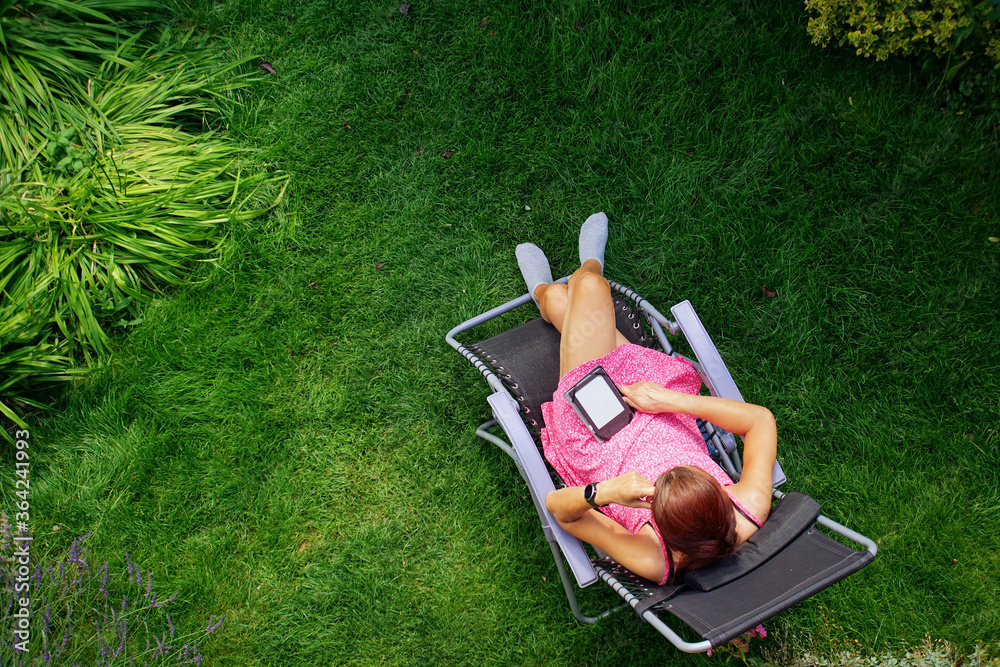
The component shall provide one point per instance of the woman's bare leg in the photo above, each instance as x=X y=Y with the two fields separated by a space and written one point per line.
x=582 y=310
x=552 y=301
x=584 y=315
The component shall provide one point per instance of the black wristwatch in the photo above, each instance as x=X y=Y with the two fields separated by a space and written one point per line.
x=589 y=493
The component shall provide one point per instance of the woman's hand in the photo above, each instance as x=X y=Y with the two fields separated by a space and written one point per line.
x=568 y=504
x=650 y=397
x=644 y=396
x=630 y=489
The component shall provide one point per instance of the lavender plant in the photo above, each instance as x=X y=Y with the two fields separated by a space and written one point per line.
x=84 y=615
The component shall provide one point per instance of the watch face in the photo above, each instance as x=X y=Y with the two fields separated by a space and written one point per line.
x=589 y=492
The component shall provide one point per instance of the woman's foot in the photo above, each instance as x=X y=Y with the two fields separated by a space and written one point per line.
x=534 y=267
x=593 y=238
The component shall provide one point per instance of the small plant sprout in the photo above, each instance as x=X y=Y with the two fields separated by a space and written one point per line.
x=739 y=647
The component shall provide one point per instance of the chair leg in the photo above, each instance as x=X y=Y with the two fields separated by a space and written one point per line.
x=649 y=616
x=574 y=605
x=483 y=433
x=564 y=577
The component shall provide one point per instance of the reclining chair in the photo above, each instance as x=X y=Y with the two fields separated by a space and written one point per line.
x=786 y=561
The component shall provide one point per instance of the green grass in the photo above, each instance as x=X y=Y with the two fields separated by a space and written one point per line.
x=290 y=442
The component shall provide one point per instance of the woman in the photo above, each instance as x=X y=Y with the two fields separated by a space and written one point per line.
x=693 y=515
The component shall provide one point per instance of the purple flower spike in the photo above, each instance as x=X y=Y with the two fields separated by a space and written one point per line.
x=138 y=576
x=170 y=624
x=124 y=602
x=104 y=581
x=212 y=628
x=122 y=631
x=149 y=582
x=129 y=561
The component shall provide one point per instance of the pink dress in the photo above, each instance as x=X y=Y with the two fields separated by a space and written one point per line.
x=649 y=445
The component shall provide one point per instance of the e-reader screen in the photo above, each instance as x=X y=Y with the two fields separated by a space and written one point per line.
x=600 y=401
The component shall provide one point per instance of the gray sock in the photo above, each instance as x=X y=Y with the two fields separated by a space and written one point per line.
x=593 y=238
x=534 y=267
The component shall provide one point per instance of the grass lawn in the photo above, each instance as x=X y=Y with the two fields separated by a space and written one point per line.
x=290 y=442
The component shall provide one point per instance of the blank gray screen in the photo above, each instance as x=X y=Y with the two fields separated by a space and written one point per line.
x=600 y=402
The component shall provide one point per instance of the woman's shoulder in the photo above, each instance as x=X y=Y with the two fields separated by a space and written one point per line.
x=752 y=501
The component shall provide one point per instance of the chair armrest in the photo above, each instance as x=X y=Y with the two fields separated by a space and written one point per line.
x=505 y=411
x=717 y=377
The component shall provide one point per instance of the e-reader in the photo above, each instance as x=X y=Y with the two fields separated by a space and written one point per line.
x=600 y=405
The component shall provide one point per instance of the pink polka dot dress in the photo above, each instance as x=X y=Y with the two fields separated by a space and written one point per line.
x=649 y=445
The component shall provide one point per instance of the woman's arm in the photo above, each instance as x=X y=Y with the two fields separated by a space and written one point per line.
x=640 y=553
x=753 y=422
x=631 y=489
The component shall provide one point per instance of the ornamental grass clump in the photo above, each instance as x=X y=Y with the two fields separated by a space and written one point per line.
x=50 y=54
x=115 y=181
x=87 y=615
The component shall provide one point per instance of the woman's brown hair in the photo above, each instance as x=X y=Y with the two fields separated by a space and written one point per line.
x=695 y=517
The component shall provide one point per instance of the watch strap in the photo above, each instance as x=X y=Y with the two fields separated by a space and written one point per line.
x=589 y=494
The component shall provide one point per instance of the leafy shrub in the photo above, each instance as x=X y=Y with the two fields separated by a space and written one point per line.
x=930 y=654
x=960 y=40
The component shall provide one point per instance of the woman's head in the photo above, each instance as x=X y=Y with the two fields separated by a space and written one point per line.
x=695 y=517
